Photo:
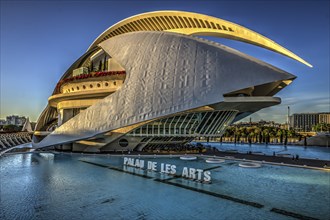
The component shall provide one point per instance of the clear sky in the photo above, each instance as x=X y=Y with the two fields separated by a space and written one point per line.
x=41 y=39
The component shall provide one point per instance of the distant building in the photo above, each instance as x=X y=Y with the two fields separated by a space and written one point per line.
x=306 y=121
x=324 y=118
x=260 y=123
x=15 y=120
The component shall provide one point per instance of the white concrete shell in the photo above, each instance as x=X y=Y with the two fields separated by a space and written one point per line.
x=190 y=23
x=168 y=73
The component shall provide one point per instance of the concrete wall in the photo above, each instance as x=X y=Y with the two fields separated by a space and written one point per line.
x=115 y=146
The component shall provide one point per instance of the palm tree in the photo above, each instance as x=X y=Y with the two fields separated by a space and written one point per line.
x=290 y=134
x=236 y=134
x=257 y=132
x=279 y=134
x=265 y=134
x=285 y=137
x=250 y=136
x=244 y=135
x=272 y=134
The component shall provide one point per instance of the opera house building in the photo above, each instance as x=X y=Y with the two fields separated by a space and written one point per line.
x=151 y=81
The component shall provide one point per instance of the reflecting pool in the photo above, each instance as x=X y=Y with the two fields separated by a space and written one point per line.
x=310 y=152
x=77 y=186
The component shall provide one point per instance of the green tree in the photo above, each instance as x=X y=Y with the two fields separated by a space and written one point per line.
x=11 y=128
x=279 y=135
x=257 y=132
x=265 y=134
x=285 y=137
x=272 y=134
x=321 y=127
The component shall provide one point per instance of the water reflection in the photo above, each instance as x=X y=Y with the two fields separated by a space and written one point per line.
x=61 y=186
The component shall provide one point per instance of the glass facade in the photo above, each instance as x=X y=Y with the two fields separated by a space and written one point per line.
x=195 y=124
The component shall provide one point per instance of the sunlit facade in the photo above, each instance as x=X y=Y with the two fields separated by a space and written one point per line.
x=147 y=82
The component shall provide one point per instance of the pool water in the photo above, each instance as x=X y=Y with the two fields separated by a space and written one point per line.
x=310 y=152
x=77 y=186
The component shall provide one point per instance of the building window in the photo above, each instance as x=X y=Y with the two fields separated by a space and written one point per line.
x=77 y=87
x=91 y=85
x=106 y=84
x=98 y=85
x=84 y=87
x=114 y=83
x=72 y=89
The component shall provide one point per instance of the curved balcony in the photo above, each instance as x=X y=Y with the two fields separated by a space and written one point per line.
x=54 y=100
x=85 y=89
x=86 y=77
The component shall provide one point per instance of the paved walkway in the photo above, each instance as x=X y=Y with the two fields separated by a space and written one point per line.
x=273 y=159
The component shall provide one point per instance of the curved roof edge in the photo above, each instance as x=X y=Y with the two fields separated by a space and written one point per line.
x=190 y=23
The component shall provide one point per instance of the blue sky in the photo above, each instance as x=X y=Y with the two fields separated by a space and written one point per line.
x=41 y=39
